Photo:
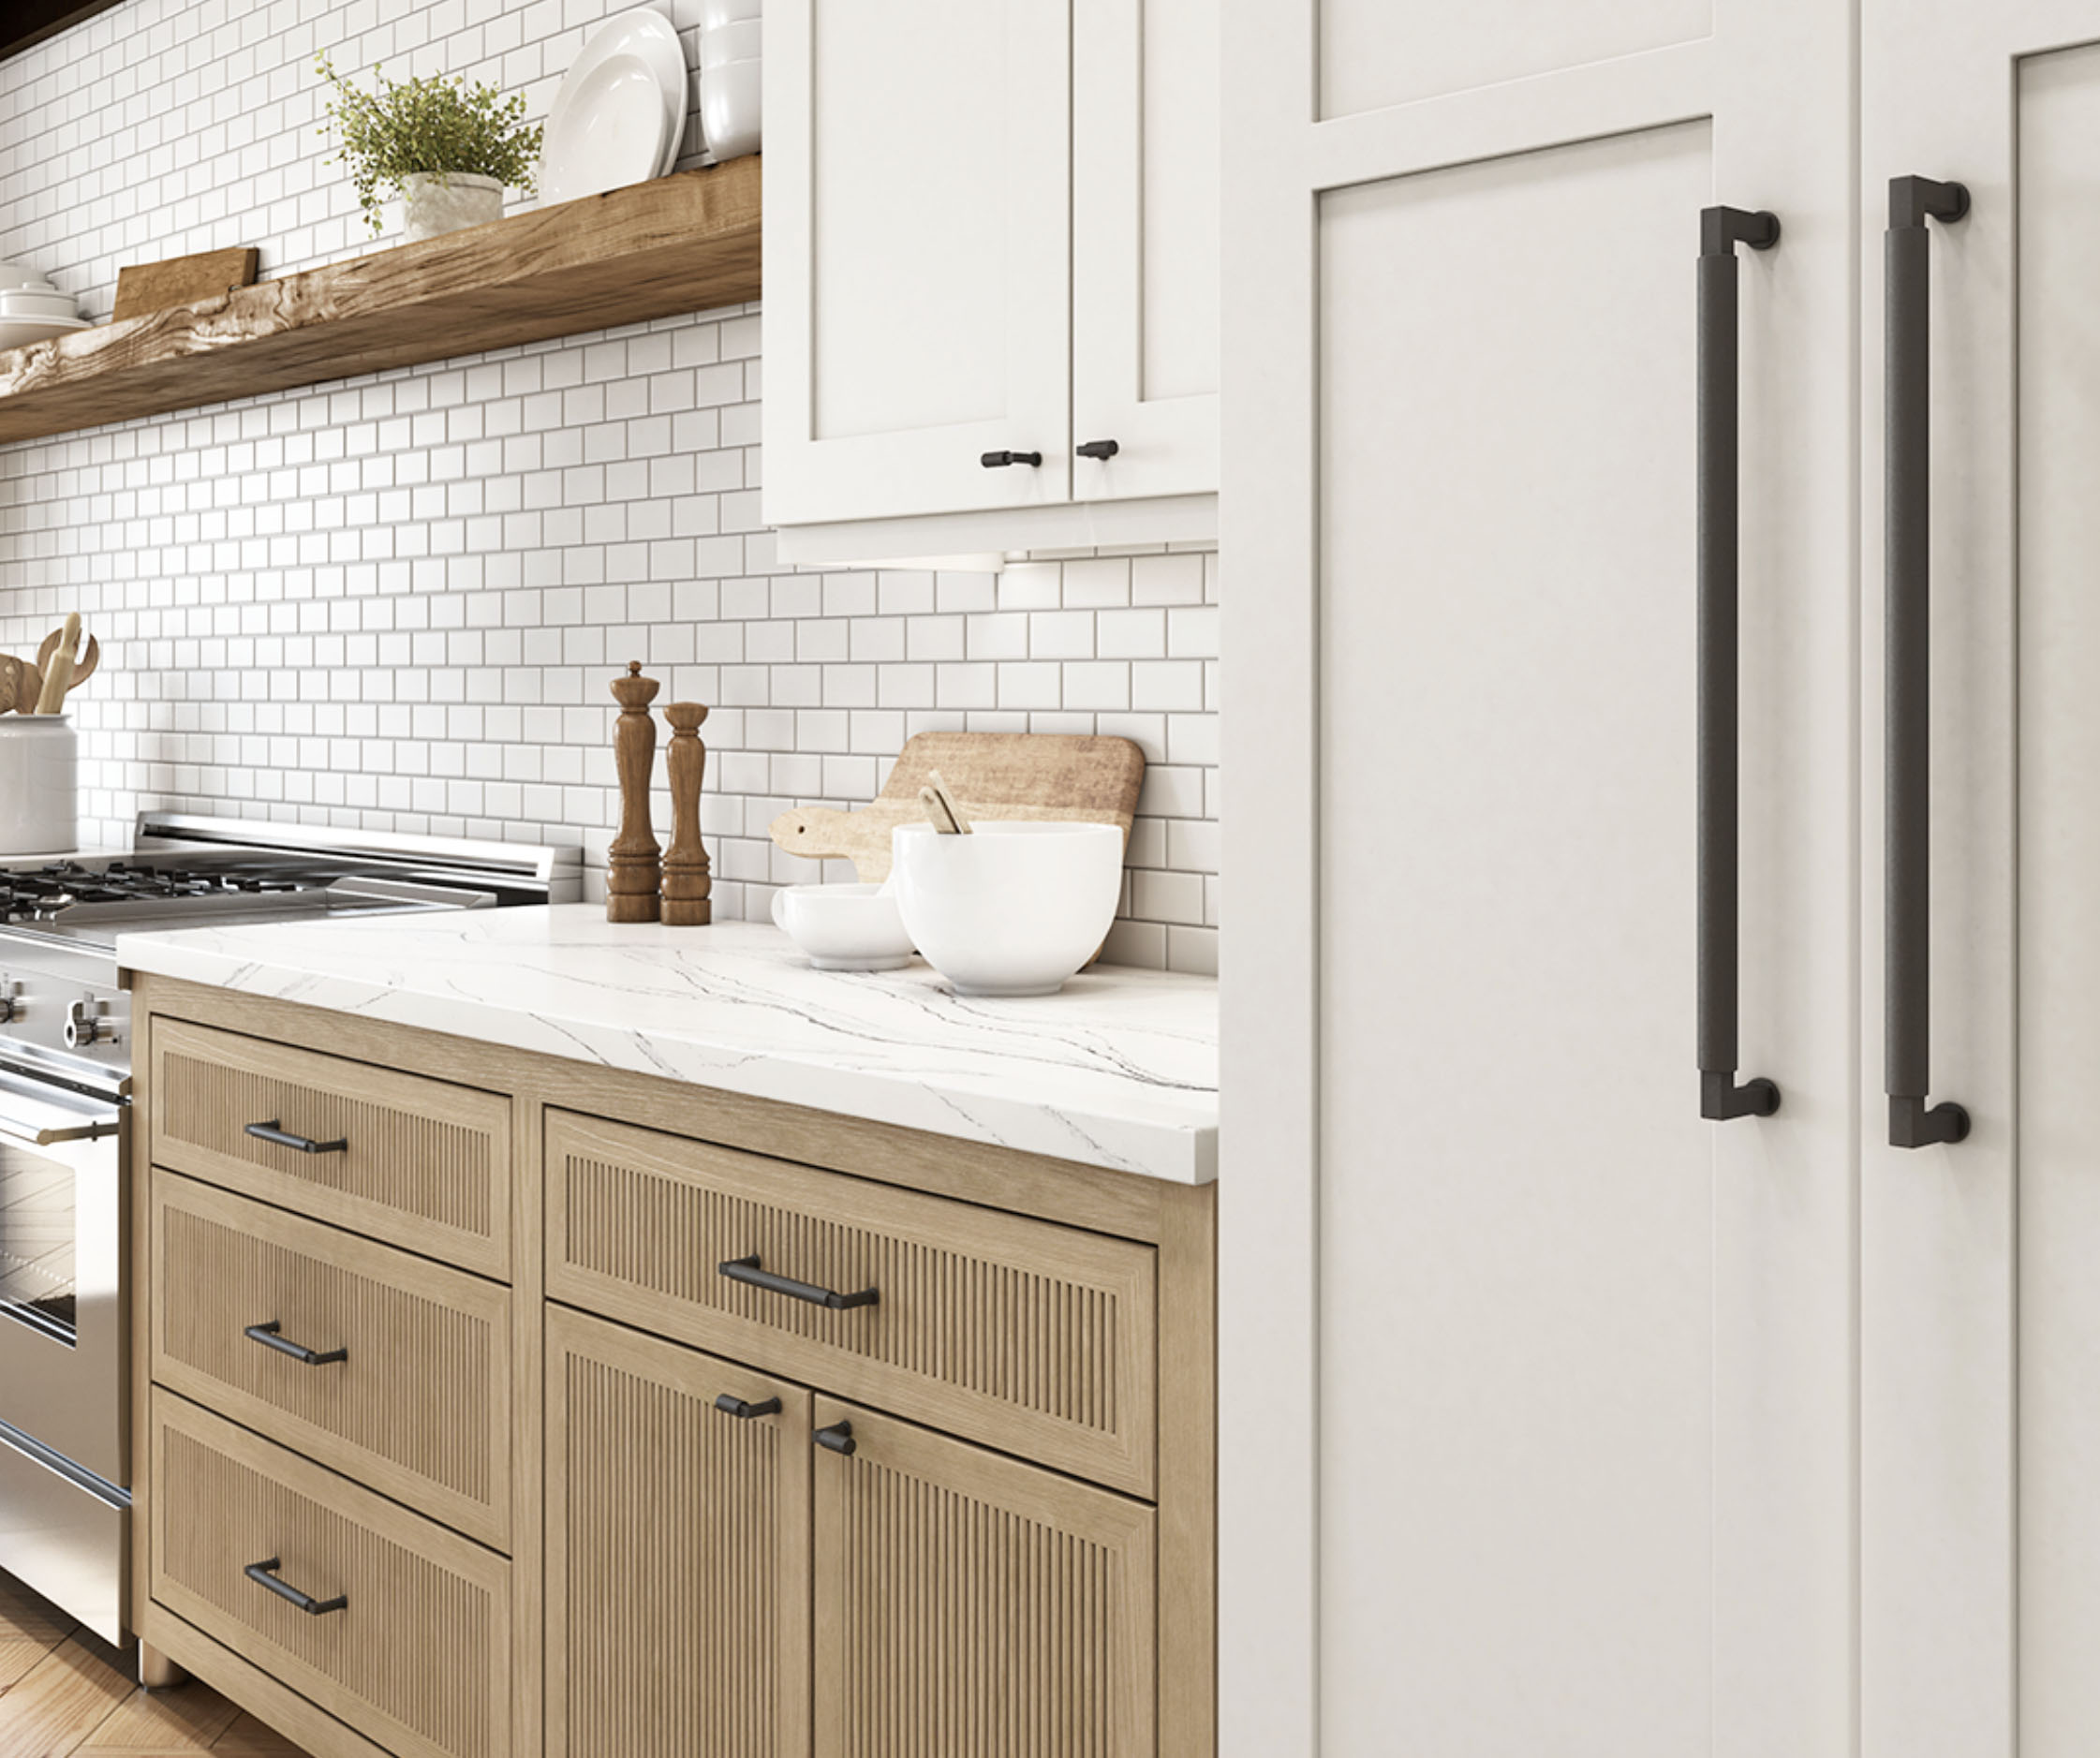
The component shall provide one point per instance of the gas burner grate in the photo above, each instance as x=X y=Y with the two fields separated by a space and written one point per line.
x=27 y=894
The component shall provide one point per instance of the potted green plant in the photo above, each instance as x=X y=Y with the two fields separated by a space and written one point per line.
x=448 y=149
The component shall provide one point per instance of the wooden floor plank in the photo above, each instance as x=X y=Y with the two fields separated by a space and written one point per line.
x=27 y=1616
x=248 y=1738
x=62 y=1699
x=189 y=1718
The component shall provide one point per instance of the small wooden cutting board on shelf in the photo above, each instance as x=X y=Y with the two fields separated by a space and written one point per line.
x=1040 y=776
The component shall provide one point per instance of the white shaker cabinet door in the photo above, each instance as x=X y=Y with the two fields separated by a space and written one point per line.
x=1981 y=1312
x=1144 y=154
x=917 y=257
x=1538 y=1387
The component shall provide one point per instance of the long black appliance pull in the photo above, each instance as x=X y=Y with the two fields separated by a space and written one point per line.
x=1721 y=229
x=1908 y=854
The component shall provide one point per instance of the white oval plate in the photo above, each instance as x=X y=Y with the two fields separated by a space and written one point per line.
x=620 y=111
x=21 y=332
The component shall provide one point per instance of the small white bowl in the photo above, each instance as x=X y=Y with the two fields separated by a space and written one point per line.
x=732 y=104
x=844 y=927
x=1011 y=908
x=742 y=39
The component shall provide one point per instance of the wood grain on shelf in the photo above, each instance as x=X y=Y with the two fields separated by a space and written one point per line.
x=685 y=243
x=64 y=1695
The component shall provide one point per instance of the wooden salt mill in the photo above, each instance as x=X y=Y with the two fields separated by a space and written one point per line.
x=686 y=879
x=636 y=879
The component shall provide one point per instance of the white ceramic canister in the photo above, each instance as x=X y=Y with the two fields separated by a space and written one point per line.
x=40 y=785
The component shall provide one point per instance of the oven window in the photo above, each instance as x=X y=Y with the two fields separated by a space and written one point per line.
x=37 y=1228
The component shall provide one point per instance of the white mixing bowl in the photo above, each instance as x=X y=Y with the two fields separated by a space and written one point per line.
x=40 y=785
x=1011 y=908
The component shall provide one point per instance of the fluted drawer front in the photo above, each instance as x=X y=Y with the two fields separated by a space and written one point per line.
x=424 y=1164
x=969 y=1604
x=417 y=1658
x=419 y=1408
x=1037 y=1338
x=677 y=1551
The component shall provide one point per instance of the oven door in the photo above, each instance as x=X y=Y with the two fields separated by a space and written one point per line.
x=62 y=1322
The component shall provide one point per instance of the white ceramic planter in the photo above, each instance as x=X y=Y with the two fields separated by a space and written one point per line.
x=435 y=204
x=40 y=785
x=1011 y=908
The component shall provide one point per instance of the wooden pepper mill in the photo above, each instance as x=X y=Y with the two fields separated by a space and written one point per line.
x=686 y=879
x=636 y=879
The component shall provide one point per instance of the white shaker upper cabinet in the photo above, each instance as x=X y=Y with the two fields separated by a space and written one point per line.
x=1144 y=247
x=917 y=257
x=991 y=233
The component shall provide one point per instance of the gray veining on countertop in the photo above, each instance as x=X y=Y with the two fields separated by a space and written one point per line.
x=1119 y=1070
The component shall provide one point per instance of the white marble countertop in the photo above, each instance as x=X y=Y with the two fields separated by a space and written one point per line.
x=1120 y=1069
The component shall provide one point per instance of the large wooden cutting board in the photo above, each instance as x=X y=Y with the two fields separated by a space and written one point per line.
x=1051 y=778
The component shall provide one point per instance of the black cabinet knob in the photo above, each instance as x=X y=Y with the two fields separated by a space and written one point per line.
x=999 y=459
x=838 y=1437
x=731 y=1405
x=1102 y=449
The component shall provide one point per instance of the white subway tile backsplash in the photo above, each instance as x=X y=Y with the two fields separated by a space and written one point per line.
x=397 y=603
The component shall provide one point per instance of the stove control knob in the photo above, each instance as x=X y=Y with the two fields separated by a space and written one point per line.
x=10 y=1001
x=85 y=1023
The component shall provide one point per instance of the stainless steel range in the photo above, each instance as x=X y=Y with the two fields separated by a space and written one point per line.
x=65 y=1127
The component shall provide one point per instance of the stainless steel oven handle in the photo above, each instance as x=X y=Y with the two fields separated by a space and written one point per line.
x=32 y=1135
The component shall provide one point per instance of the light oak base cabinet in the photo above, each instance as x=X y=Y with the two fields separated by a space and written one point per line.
x=552 y=1446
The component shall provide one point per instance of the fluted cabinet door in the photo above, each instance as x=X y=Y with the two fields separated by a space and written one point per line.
x=677 y=1551
x=970 y=1606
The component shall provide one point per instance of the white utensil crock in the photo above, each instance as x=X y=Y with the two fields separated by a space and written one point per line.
x=40 y=785
x=1013 y=908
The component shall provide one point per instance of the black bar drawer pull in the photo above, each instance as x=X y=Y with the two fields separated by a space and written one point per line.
x=731 y=1405
x=746 y=1270
x=1907 y=511
x=838 y=1437
x=268 y=1336
x=304 y=1144
x=1721 y=229
x=1002 y=460
x=264 y=1575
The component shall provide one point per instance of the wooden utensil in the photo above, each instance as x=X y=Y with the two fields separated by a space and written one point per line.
x=991 y=777
x=634 y=884
x=687 y=882
x=28 y=685
x=82 y=670
x=959 y=822
x=14 y=682
x=58 y=669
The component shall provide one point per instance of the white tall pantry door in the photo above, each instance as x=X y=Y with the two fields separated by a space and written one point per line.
x=1539 y=1387
x=1980 y=1314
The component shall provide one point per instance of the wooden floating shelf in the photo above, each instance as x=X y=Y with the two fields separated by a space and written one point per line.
x=685 y=243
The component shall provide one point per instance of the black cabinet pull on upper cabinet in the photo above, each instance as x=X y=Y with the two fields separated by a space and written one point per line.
x=1001 y=460
x=1721 y=229
x=1102 y=450
x=1908 y=617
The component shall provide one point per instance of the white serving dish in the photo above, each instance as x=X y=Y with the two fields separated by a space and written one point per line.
x=619 y=112
x=40 y=785
x=21 y=332
x=844 y=927
x=731 y=111
x=1011 y=908
x=743 y=40
x=34 y=302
